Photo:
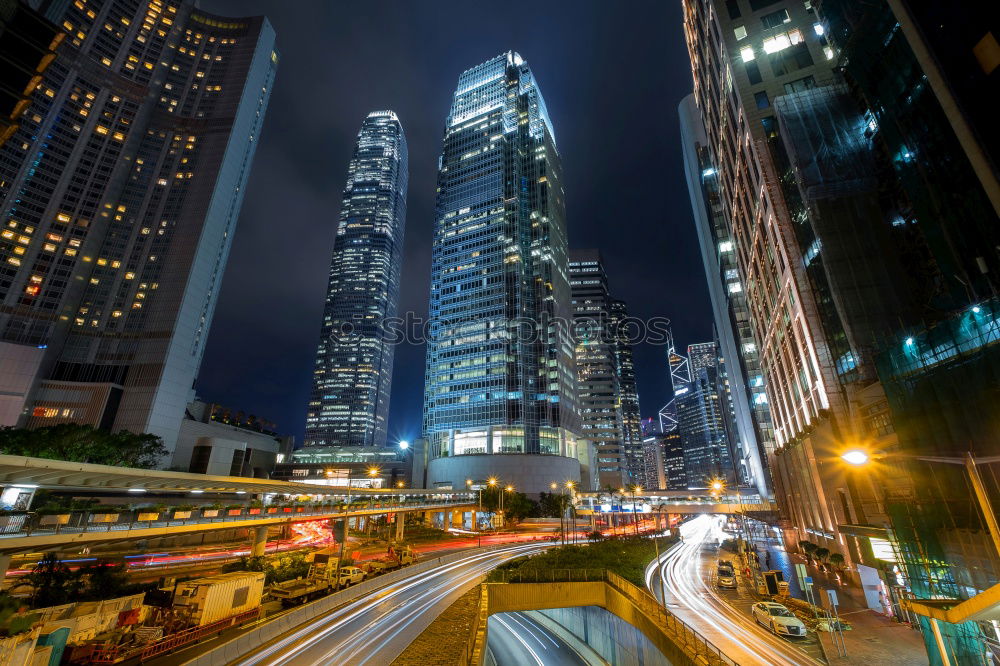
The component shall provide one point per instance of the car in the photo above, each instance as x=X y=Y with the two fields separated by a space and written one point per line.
x=350 y=576
x=778 y=619
x=725 y=578
x=727 y=564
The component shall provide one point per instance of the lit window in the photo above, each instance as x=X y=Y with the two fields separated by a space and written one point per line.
x=747 y=53
x=740 y=31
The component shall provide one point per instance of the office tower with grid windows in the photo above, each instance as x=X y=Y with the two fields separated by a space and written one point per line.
x=120 y=193
x=500 y=388
x=349 y=404
x=606 y=389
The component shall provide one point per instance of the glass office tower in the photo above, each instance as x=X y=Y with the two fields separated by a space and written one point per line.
x=500 y=396
x=120 y=191
x=349 y=404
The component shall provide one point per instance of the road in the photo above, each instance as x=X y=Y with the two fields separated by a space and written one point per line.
x=516 y=640
x=690 y=596
x=376 y=629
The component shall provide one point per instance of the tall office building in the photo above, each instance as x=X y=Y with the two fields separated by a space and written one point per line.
x=120 y=191
x=500 y=390
x=606 y=389
x=349 y=404
x=916 y=181
x=702 y=419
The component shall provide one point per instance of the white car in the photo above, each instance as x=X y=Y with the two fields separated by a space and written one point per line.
x=778 y=619
x=726 y=579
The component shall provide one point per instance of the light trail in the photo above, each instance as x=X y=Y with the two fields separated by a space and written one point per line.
x=520 y=640
x=380 y=617
x=693 y=600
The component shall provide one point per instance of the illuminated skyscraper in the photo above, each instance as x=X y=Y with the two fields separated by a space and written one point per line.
x=120 y=191
x=606 y=390
x=349 y=404
x=500 y=391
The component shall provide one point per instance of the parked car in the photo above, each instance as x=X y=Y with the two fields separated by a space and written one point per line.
x=725 y=578
x=778 y=619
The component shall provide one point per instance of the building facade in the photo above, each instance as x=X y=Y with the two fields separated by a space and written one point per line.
x=752 y=431
x=214 y=441
x=606 y=389
x=500 y=388
x=744 y=55
x=120 y=191
x=352 y=377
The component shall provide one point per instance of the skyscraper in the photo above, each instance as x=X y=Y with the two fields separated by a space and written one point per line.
x=349 y=404
x=120 y=191
x=608 y=401
x=500 y=395
x=701 y=417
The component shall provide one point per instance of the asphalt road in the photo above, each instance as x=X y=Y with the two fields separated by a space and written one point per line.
x=687 y=570
x=516 y=640
x=376 y=629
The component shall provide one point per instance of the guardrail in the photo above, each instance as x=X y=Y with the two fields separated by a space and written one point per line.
x=690 y=639
x=103 y=520
x=270 y=628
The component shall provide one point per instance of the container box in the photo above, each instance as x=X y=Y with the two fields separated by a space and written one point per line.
x=218 y=597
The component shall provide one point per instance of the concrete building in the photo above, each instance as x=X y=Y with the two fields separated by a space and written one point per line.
x=211 y=442
x=120 y=191
x=500 y=388
x=358 y=466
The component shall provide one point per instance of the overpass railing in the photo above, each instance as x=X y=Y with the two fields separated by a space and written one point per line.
x=105 y=519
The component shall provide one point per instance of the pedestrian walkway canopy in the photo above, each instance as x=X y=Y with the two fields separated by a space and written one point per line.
x=28 y=472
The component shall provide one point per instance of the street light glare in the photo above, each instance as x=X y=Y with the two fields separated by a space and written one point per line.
x=492 y=481
x=855 y=457
x=404 y=445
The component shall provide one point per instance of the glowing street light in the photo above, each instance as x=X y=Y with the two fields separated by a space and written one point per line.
x=855 y=457
x=403 y=444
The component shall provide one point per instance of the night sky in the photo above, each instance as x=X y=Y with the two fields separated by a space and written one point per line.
x=612 y=74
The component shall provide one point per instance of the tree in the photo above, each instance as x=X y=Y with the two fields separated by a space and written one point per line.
x=808 y=548
x=84 y=443
x=53 y=582
x=836 y=561
x=822 y=553
x=106 y=579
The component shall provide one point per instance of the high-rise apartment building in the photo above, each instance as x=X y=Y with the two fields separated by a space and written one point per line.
x=500 y=389
x=120 y=191
x=606 y=389
x=349 y=404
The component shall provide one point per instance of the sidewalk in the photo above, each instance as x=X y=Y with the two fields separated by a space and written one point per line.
x=875 y=640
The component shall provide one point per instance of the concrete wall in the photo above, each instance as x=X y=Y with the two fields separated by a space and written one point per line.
x=530 y=473
x=614 y=639
x=224 y=440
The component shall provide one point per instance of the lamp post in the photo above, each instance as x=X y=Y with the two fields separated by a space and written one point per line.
x=479 y=532
x=633 y=489
x=571 y=511
x=861 y=458
x=508 y=489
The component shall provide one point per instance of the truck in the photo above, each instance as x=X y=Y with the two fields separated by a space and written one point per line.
x=319 y=581
x=394 y=560
x=207 y=600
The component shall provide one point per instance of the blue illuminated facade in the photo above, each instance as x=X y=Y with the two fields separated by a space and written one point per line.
x=500 y=378
x=349 y=404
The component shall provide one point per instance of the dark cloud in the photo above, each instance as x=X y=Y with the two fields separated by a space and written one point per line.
x=612 y=74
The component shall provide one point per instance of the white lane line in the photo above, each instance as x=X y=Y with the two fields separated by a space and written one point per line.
x=520 y=640
x=536 y=631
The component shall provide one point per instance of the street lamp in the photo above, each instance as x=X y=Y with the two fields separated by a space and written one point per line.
x=479 y=532
x=571 y=511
